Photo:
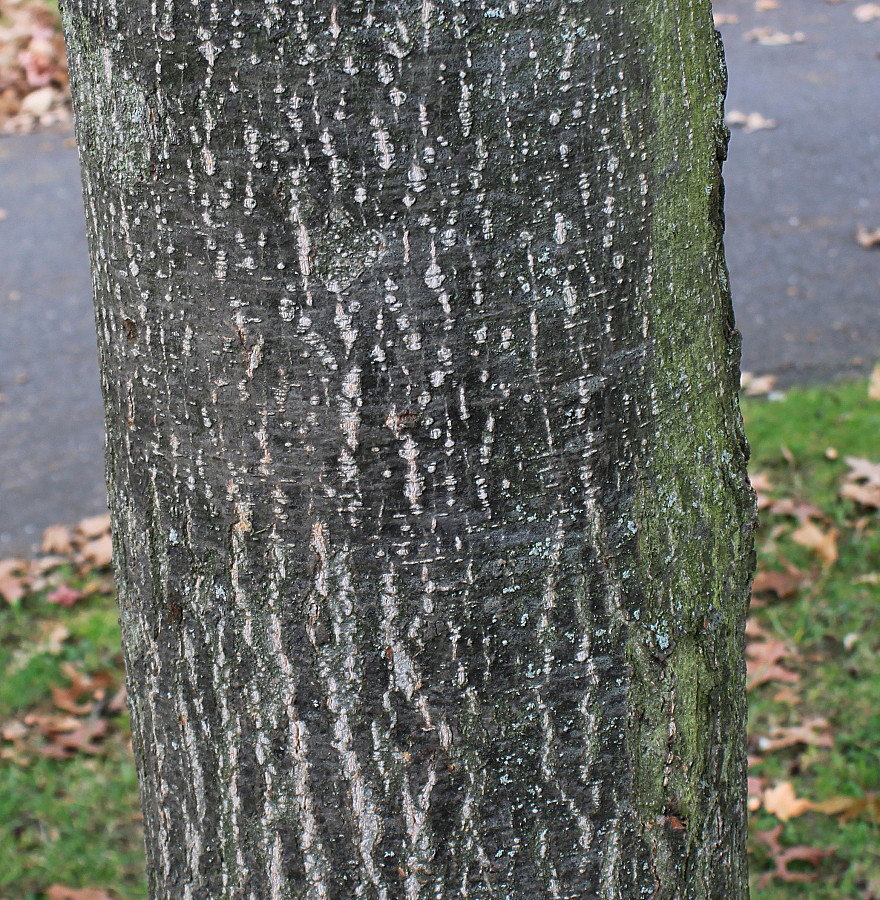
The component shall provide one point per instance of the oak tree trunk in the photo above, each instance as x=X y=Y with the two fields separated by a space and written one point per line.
x=427 y=477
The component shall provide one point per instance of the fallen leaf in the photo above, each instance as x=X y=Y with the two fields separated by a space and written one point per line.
x=851 y=807
x=755 y=385
x=80 y=740
x=750 y=122
x=814 y=732
x=57 y=540
x=66 y=699
x=64 y=596
x=787 y=695
x=869 y=578
x=769 y=37
x=761 y=486
x=14 y=579
x=783 y=856
x=763 y=666
x=796 y=509
x=765 y=5
x=94 y=526
x=863 y=470
x=822 y=543
x=864 y=494
x=874 y=384
x=783 y=584
x=725 y=19
x=60 y=892
x=13 y=731
x=98 y=552
x=867 y=238
x=754 y=628
x=867 y=12
x=781 y=801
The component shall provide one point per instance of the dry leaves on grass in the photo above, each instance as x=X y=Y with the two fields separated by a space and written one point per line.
x=822 y=543
x=34 y=83
x=88 y=546
x=750 y=122
x=770 y=37
x=783 y=856
x=867 y=12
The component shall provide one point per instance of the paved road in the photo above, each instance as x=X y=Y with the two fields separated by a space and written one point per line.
x=807 y=296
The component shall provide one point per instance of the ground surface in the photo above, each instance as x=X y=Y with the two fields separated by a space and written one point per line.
x=805 y=292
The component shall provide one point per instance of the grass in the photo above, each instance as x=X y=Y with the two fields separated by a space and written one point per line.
x=76 y=821
x=833 y=626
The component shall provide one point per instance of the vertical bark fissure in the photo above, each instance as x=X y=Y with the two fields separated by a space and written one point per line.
x=389 y=302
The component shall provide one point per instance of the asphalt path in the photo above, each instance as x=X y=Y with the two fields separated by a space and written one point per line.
x=806 y=295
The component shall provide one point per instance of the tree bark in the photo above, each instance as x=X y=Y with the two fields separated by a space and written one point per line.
x=432 y=527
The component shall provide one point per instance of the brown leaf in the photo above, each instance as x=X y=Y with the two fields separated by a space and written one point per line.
x=82 y=687
x=754 y=629
x=57 y=540
x=786 y=695
x=874 y=384
x=94 y=526
x=822 y=543
x=782 y=857
x=60 y=892
x=781 y=801
x=755 y=385
x=65 y=699
x=64 y=595
x=14 y=579
x=850 y=807
x=756 y=789
x=13 y=731
x=761 y=674
x=867 y=495
x=796 y=509
x=80 y=740
x=783 y=584
x=766 y=5
x=98 y=552
x=725 y=19
x=762 y=665
x=761 y=486
x=814 y=732
x=863 y=470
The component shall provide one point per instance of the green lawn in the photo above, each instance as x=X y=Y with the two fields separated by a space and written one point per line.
x=75 y=821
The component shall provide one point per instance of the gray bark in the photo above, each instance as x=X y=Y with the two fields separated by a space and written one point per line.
x=431 y=520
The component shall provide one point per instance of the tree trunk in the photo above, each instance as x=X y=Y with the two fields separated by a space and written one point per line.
x=427 y=476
